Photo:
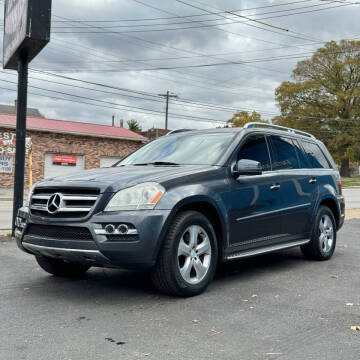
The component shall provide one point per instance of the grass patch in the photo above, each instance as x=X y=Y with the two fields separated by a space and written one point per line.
x=351 y=181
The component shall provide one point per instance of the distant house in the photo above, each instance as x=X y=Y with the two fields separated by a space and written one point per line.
x=154 y=133
x=11 y=110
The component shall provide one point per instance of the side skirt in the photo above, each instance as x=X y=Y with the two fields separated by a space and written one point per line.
x=267 y=249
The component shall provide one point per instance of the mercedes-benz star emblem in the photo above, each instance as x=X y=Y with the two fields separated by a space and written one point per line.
x=54 y=203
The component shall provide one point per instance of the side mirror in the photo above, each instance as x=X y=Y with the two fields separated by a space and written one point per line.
x=247 y=167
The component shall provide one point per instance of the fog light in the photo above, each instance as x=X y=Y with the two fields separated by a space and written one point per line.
x=110 y=228
x=123 y=229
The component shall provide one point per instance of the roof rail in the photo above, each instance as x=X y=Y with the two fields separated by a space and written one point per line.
x=178 y=131
x=278 y=127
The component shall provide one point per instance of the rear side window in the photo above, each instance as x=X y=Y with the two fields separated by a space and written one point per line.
x=301 y=156
x=316 y=157
x=255 y=148
x=284 y=153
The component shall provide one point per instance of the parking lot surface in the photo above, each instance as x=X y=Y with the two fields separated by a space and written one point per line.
x=5 y=215
x=277 y=306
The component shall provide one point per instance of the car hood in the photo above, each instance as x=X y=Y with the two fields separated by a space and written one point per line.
x=116 y=178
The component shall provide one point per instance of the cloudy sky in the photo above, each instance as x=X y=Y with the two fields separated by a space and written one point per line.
x=214 y=61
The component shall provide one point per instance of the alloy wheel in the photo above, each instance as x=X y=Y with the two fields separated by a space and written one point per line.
x=326 y=233
x=194 y=254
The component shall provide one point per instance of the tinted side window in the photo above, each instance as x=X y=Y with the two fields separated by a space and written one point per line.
x=256 y=149
x=284 y=153
x=301 y=156
x=315 y=155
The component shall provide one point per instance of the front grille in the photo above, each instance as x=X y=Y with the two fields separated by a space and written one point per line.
x=59 y=232
x=63 y=203
x=122 y=238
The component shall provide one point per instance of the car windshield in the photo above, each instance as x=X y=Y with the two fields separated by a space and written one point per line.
x=189 y=149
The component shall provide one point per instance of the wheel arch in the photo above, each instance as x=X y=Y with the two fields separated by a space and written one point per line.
x=332 y=204
x=209 y=209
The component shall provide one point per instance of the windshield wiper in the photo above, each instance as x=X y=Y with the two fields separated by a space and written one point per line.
x=157 y=163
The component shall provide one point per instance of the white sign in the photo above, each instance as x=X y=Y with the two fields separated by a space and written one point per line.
x=8 y=143
x=6 y=164
x=15 y=26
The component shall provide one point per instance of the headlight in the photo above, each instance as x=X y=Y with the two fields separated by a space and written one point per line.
x=140 y=197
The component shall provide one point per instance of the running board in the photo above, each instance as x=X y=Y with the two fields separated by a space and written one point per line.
x=267 y=249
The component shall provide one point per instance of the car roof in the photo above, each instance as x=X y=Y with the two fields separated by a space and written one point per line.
x=237 y=130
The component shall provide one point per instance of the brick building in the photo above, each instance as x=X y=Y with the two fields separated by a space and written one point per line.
x=59 y=147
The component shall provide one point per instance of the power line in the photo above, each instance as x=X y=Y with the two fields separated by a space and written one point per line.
x=97 y=27
x=167 y=46
x=244 y=22
x=225 y=63
x=197 y=21
x=191 y=102
x=181 y=16
x=111 y=105
x=183 y=50
x=160 y=44
x=150 y=96
x=212 y=25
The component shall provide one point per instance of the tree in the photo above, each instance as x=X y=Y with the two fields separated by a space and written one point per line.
x=134 y=125
x=241 y=118
x=324 y=99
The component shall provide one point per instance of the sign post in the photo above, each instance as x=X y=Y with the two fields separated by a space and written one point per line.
x=26 y=32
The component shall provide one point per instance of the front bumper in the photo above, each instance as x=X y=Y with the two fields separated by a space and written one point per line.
x=128 y=251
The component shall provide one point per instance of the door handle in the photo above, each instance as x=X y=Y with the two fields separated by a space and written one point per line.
x=312 y=181
x=275 y=187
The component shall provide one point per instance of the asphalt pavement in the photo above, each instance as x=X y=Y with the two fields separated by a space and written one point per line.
x=5 y=215
x=277 y=306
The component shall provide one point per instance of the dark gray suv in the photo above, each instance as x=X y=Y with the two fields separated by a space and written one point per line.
x=183 y=203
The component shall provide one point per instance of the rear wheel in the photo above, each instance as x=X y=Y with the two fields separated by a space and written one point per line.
x=323 y=239
x=61 y=268
x=188 y=258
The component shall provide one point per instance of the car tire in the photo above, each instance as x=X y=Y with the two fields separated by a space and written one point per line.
x=323 y=238
x=61 y=268
x=187 y=261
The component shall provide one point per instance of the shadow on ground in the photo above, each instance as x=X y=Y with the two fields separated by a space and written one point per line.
x=112 y=284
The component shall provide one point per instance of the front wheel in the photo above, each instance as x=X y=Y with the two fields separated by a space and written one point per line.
x=188 y=258
x=61 y=268
x=323 y=239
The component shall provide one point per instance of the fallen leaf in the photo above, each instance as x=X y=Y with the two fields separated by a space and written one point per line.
x=334 y=276
x=355 y=328
x=196 y=322
x=215 y=332
x=349 y=304
x=254 y=296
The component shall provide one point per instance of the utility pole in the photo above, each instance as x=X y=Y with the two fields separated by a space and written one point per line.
x=167 y=96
